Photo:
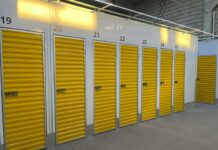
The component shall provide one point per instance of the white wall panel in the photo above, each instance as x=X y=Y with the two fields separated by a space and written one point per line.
x=110 y=29
x=190 y=76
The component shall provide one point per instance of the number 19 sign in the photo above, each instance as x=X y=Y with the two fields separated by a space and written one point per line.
x=6 y=20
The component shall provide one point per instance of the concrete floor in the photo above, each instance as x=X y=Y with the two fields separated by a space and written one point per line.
x=196 y=129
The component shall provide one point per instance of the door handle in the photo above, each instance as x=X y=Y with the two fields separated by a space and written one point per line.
x=61 y=90
x=97 y=88
x=11 y=94
x=123 y=86
x=176 y=82
x=198 y=79
x=145 y=84
x=162 y=83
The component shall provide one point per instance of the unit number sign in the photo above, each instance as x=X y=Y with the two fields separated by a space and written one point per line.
x=6 y=20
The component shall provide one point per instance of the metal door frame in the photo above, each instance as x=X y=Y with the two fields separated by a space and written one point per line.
x=172 y=75
x=133 y=45
x=2 y=91
x=93 y=56
x=44 y=79
x=215 y=101
x=144 y=47
x=54 y=36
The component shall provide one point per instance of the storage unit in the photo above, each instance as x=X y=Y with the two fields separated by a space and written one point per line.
x=128 y=85
x=23 y=87
x=70 y=89
x=166 y=82
x=104 y=86
x=68 y=73
x=179 y=79
x=206 y=79
x=149 y=85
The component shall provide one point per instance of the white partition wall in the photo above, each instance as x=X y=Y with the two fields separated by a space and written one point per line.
x=62 y=19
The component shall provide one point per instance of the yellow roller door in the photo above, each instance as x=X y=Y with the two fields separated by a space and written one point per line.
x=23 y=77
x=105 y=86
x=149 y=85
x=166 y=82
x=206 y=79
x=70 y=89
x=179 y=81
x=128 y=85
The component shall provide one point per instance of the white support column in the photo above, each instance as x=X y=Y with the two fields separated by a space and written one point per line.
x=140 y=70
x=118 y=83
x=89 y=82
x=158 y=77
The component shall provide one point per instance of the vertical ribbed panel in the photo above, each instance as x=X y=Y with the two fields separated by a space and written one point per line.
x=179 y=81
x=206 y=79
x=149 y=85
x=23 y=90
x=70 y=89
x=128 y=85
x=216 y=22
x=105 y=86
x=166 y=82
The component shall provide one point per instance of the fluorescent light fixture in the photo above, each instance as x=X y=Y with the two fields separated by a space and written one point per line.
x=183 y=40
x=35 y=10
x=77 y=17
x=164 y=35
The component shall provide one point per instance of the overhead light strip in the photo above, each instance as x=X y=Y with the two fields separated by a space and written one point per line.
x=156 y=18
x=164 y=22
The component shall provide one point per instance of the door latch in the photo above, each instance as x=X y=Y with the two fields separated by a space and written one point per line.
x=97 y=88
x=162 y=83
x=11 y=94
x=123 y=86
x=145 y=84
x=61 y=91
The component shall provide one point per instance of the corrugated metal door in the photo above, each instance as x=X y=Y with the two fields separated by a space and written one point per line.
x=179 y=71
x=166 y=82
x=149 y=85
x=70 y=89
x=23 y=75
x=128 y=85
x=105 y=86
x=206 y=79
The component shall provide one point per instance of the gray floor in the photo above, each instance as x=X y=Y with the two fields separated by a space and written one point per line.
x=196 y=129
